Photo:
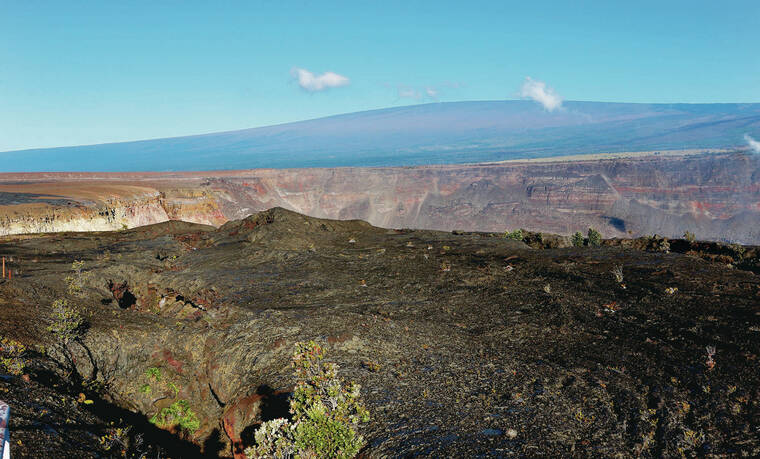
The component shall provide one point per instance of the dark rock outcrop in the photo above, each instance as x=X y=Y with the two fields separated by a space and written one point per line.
x=456 y=339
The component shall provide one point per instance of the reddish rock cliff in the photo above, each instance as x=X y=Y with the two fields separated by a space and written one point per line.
x=714 y=196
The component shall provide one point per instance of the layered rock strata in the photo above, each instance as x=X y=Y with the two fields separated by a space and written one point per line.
x=714 y=196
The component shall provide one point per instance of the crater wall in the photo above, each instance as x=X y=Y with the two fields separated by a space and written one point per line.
x=714 y=196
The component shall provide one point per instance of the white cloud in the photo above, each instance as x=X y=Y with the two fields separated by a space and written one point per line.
x=544 y=95
x=312 y=83
x=408 y=93
x=754 y=145
x=419 y=94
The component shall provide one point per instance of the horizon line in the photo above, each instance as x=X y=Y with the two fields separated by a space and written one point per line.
x=151 y=139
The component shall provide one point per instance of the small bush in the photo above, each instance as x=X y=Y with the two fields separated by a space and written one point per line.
x=516 y=235
x=326 y=413
x=658 y=243
x=322 y=434
x=274 y=439
x=594 y=237
x=738 y=250
x=11 y=356
x=75 y=281
x=689 y=236
x=691 y=442
x=617 y=273
x=116 y=438
x=369 y=365
x=153 y=373
x=67 y=324
x=578 y=239
x=179 y=415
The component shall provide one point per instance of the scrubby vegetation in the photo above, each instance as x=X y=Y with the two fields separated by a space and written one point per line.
x=594 y=238
x=326 y=412
x=516 y=235
x=12 y=356
x=578 y=239
x=617 y=273
x=657 y=243
x=177 y=416
x=116 y=439
x=66 y=323
x=738 y=249
x=75 y=281
x=67 y=326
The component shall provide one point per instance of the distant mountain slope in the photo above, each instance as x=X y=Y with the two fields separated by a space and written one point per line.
x=455 y=132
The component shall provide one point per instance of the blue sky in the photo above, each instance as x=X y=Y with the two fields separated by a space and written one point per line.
x=75 y=72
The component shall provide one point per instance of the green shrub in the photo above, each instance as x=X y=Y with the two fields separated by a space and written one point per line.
x=516 y=235
x=738 y=250
x=326 y=413
x=274 y=439
x=594 y=238
x=75 y=282
x=578 y=239
x=324 y=435
x=154 y=376
x=11 y=356
x=656 y=243
x=179 y=415
x=66 y=324
x=153 y=373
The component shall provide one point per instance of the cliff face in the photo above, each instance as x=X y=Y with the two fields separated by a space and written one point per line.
x=713 y=196
x=78 y=206
x=716 y=197
x=110 y=216
x=195 y=205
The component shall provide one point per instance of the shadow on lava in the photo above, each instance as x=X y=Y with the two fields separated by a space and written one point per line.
x=144 y=437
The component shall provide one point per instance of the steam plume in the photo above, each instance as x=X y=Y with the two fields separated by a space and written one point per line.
x=754 y=145
x=544 y=95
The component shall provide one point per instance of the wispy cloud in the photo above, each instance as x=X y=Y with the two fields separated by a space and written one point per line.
x=405 y=92
x=754 y=145
x=313 y=83
x=544 y=95
x=427 y=93
x=453 y=84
